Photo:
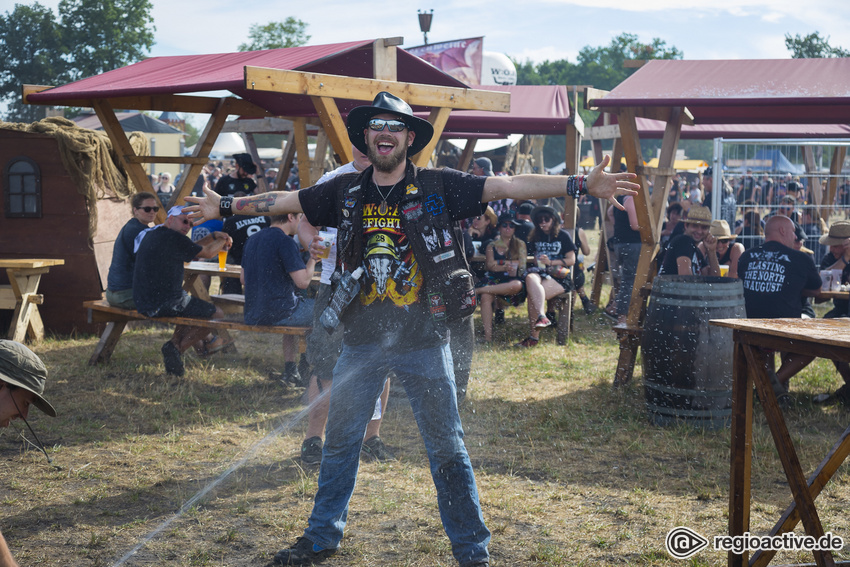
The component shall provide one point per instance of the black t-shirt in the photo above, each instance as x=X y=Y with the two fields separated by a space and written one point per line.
x=774 y=278
x=228 y=185
x=240 y=228
x=121 y=270
x=390 y=309
x=554 y=247
x=683 y=245
x=158 y=276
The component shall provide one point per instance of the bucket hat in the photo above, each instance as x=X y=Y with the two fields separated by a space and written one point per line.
x=21 y=367
x=358 y=120
x=839 y=232
x=541 y=209
x=698 y=214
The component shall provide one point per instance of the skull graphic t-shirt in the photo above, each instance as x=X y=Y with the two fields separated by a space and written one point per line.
x=391 y=306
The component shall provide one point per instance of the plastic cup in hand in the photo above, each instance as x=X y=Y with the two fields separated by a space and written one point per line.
x=327 y=242
x=222 y=260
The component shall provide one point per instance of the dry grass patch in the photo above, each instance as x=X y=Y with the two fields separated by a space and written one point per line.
x=569 y=470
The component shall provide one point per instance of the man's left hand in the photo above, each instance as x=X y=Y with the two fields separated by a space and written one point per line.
x=609 y=185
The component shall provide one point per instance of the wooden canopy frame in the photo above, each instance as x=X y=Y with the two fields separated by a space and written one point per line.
x=323 y=90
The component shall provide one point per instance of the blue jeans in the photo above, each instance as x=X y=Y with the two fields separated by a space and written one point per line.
x=628 y=255
x=428 y=378
x=301 y=316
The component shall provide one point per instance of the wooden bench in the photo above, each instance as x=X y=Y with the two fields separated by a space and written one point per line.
x=99 y=311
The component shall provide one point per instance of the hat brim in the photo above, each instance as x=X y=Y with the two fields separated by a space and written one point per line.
x=698 y=221
x=37 y=400
x=358 y=121
x=828 y=240
x=540 y=209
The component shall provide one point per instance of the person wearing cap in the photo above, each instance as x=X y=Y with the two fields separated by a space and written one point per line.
x=684 y=257
x=505 y=262
x=776 y=277
x=837 y=258
x=398 y=321
x=728 y=251
x=22 y=378
x=239 y=180
x=158 y=283
x=484 y=167
x=119 y=281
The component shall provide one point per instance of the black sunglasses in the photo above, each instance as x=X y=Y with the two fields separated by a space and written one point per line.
x=507 y=225
x=377 y=124
x=148 y=209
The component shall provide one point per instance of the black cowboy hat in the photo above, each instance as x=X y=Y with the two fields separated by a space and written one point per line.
x=358 y=120
x=246 y=162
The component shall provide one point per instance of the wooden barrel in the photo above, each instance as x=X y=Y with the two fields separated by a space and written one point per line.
x=687 y=363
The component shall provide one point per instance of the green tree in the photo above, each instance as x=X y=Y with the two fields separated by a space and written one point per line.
x=105 y=34
x=812 y=46
x=274 y=35
x=30 y=52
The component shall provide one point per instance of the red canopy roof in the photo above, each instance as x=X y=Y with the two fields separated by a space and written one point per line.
x=535 y=109
x=225 y=71
x=755 y=91
x=649 y=129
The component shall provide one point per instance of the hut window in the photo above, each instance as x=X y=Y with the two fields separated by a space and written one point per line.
x=22 y=188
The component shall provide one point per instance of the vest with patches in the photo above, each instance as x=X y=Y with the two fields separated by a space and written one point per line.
x=435 y=241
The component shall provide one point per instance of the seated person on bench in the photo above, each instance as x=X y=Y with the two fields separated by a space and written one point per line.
x=271 y=270
x=158 y=283
x=119 y=283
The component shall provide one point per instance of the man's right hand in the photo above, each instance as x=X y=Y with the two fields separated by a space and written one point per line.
x=203 y=208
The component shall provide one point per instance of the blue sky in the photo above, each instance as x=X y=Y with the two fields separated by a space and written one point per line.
x=531 y=29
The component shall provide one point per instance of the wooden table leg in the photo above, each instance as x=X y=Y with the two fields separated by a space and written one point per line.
x=741 y=453
x=26 y=319
x=817 y=481
x=626 y=362
x=110 y=337
x=787 y=452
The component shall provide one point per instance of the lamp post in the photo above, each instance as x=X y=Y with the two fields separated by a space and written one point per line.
x=425 y=22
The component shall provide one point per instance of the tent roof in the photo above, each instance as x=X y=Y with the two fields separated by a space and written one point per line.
x=130 y=122
x=226 y=72
x=535 y=109
x=749 y=91
x=653 y=129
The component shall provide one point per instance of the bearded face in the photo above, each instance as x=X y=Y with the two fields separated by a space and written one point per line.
x=387 y=150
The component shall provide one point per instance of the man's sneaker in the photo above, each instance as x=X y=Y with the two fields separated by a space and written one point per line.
x=375 y=449
x=589 y=306
x=499 y=316
x=542 y=322
x=292 y=375
x=171 y=358
x=841 y=395
x=311 y=451
x=304 y=552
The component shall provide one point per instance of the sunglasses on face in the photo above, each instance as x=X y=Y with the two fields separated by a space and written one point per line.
x=377 y=124
x=507 y=225
x=544 y=219
x=148 y=209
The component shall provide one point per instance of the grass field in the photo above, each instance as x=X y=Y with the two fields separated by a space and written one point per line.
x=570 y=472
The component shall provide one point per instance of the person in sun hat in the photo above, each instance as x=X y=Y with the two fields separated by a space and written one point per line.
x=22 y=379
x=728 y=251
x=837 y=258
x=683 y=255
x=411 y=290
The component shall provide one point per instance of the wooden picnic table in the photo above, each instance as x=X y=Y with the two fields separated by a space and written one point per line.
x=833 y=295
x=753 y=339
x=192 y=272
x=21 y=295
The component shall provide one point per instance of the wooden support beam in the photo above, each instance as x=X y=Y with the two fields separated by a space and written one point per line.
x=838 y=155
x=385 y=59
x=317 y=164
x=202 y=150
x=334 y=127
x=166 y=159
x=438 y=119
x=138 y=177
x=286 y=162
x=251 y=146
x=591 y=95
x=610 y=132
x=303 y=153
x=466 y=154
x=354 y=88
x=165 y=103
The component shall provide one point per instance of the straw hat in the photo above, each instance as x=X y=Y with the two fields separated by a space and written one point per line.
x=839 y=232
x=698 y=214
x=720 y=230
x=490 y=214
